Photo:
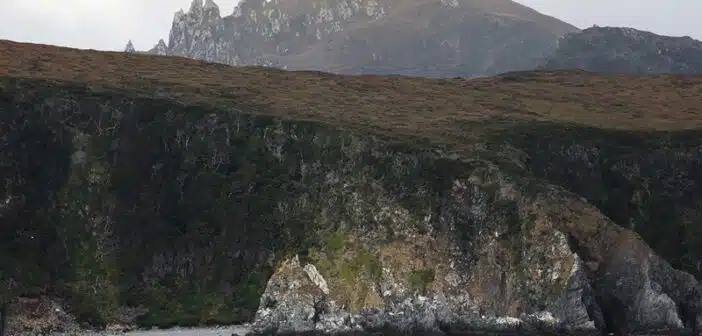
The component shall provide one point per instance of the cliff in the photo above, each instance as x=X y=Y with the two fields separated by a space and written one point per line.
x=626 y=50
x=198 y=193
x=417 y=37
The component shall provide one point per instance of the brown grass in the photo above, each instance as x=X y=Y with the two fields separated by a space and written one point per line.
x=386 y=104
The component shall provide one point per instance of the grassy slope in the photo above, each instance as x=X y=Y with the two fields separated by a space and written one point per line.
x=401 y=106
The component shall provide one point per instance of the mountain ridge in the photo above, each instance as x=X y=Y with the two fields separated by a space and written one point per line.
x=466 y=37
x=626 y=50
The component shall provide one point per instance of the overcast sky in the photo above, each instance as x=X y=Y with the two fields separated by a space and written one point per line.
x=108 y=24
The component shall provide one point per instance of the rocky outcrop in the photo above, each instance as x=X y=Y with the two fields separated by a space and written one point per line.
x=160 y=48
x=600 y=276
x=423 y=279
x=429 y=38
x=201 y=34
x=626 y=50
x=130 y=47
x=636 y=290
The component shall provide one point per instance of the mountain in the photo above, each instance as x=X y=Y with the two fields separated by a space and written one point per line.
x=198 y=193
x=626 y=50
x=411 y=37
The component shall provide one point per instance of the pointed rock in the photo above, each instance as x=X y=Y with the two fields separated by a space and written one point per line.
x=130 y=47
x=178 y=15
x=195 y=7
x=210 y=4
x=160 y=48
x=211 y=9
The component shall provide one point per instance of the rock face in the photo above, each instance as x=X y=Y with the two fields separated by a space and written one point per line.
x=613 y=282
x=411 y=274
x=198 y=201
x=418 y=37
x=636 y=290
x=626 y=50
x=385 y=251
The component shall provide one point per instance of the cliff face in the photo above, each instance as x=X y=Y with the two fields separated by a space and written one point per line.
x=651 y=189
x=626 y=50
x=420 y=37
x=380 y=223
x=329 y=209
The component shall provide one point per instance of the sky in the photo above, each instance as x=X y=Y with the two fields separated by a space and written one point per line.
x=109 y=24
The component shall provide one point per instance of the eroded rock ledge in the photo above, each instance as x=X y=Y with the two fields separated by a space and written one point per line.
x=560 y=274
x=198 y=215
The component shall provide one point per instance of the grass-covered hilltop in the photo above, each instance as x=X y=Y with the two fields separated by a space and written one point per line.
x=179 y=188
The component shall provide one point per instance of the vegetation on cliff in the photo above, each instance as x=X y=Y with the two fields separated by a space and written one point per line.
x=178 y=185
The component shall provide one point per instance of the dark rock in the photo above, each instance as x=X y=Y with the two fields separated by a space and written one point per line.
x=635 y=289
x=3 y=318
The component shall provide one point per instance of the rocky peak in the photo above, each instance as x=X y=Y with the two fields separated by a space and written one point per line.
x=196 y=7
x=626 y=50
x=196 y=33
x=211 y=6
x=199 y=9
x=160 y=48
x=130 y=47
x=424 y=37
x=178 y=15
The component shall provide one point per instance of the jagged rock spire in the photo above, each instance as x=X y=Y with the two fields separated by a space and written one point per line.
x=211 y=8
x=179 y=14
x=210 y=4
x=196 y=7
x=130 y=47
x=160 y=48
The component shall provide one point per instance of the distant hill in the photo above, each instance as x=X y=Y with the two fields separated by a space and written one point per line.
x=415 y=37
x=626 y=50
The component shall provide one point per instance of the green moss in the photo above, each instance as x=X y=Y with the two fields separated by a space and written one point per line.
x=350 y=268
x=371 y=263
x=335 y=241
x=420 y=280
x=348 y=262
